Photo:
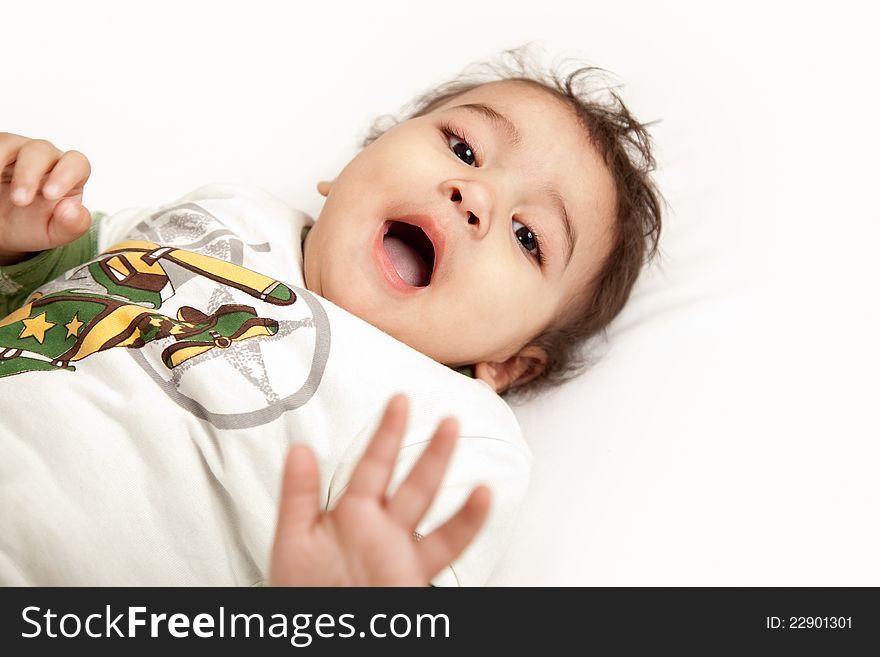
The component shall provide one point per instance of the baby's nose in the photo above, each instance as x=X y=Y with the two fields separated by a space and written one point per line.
x=472 y=219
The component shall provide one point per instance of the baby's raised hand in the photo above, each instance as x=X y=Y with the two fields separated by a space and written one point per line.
x=367 y=538
x=41 y=191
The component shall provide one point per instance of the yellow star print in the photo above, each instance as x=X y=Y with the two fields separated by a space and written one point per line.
x=36 y=327
x=73 y=327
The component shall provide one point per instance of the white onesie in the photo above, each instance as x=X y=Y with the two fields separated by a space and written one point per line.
x=150 y=395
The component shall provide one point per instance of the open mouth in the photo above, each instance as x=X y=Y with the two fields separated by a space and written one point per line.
x=410 y=251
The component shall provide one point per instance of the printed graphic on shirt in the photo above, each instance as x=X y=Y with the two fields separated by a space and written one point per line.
x=54 y=329
x=210 y=332
x=89 y=323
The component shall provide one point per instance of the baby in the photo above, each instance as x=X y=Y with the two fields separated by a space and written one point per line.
x=464 y=254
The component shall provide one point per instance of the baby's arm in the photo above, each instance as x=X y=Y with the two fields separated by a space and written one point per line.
x=367 y=538
x=44 y=228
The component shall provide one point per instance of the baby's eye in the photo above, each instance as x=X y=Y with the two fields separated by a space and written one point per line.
x=462 y=150
x=528 y=239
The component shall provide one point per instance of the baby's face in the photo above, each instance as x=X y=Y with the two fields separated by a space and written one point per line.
x=455 y=244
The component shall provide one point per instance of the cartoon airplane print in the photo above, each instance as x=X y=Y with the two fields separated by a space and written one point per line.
x=50 y=331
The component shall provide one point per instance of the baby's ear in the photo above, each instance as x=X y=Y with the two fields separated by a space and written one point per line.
x=515 y=371
x=324 y=187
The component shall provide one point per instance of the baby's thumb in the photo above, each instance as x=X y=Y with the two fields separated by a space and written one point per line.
x=300 y=502
x=69 y=221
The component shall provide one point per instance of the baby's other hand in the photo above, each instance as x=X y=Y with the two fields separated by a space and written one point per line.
x=367 y=538
x=41 y=191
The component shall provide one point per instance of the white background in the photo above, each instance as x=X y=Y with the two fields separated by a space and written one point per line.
x=730 y=433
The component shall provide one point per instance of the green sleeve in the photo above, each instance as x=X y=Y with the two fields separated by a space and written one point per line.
x=19 y=280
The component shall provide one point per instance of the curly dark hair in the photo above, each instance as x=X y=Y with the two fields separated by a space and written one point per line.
x=625 y=146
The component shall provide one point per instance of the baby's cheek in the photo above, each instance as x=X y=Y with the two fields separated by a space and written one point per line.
x=485 y=333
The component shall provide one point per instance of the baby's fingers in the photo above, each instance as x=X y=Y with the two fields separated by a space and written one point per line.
x=372 y=474
x=442 y=546
x=300 y=502
x=413 y=497
x=33 y=162
x=69 y=221
x=10 y=144
x=69 y=176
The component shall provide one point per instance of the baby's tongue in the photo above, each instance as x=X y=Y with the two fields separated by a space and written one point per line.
x=407 y=262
